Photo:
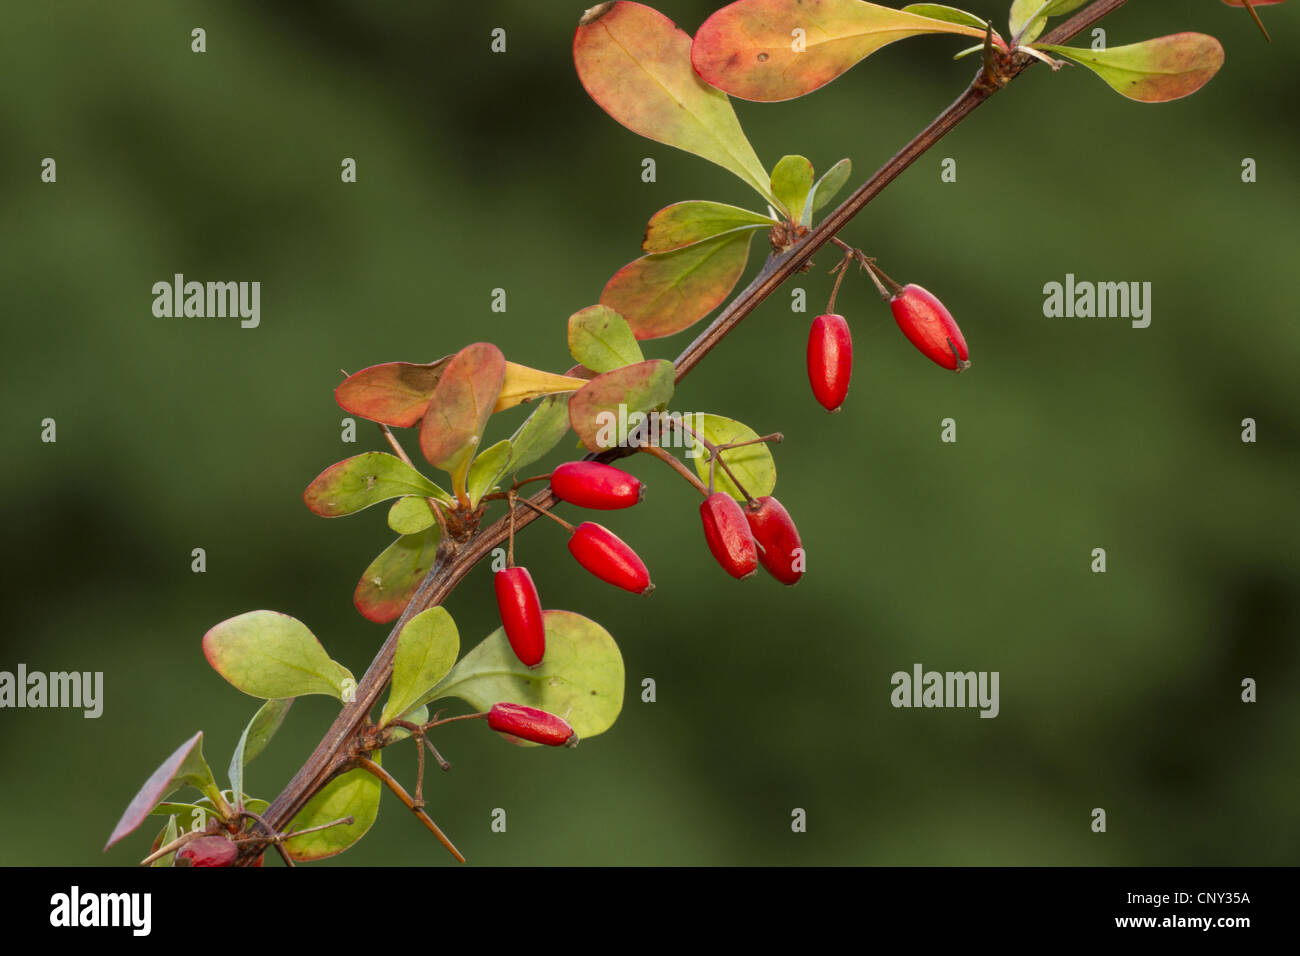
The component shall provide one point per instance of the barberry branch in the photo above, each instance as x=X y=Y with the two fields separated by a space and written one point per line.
x=338 y=749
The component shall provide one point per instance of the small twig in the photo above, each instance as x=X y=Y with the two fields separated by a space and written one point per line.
x=1258 y=22
x=451 y=720
x=405 y=797
x=542 y=511
x=175 y=845
x=672 y=462
x=839 y=272
x=275 y=839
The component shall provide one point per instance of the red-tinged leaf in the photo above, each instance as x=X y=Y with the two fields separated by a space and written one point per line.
x=750 y=49
x=460 y=407
x=686 y=223
x=664 y=293
x=636 y=64
x=1154 y=71
x=386 y=588
x=395 y=393
x=595 y=412
x=185 y=767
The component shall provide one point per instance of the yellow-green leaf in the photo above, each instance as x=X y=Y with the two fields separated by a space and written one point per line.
x=579 y=679
x=1154 y=71
x=601 y=339
x=271 y=655
x=354 y=794
x=686 y=223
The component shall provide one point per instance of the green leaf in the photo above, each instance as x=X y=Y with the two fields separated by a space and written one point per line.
x=749 y=48
x=184 y=768
x=752 y=465
x=1154 y=71
x=580 y=678
x=940 y=11
x=603 y=411
x=254 y=739
x=539 y=433
x=667 y=292
x=388 y=583
x=1030 y=16
x=354 y=794
x=426 y=651
x=686 y=223
x=410 y=515
x=636 y=64
x=459 y=409
x=792 y=180
x=601 y=339
x=395 y=393
x=357 y=483
x=169 y=833
x=271 y=655
x=489 y=465
x=824 y=190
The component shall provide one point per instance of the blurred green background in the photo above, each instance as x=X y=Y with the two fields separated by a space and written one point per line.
x=481 y=170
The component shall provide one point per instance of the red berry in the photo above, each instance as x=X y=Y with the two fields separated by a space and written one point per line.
x=529 y=723
x=589 y=484
x=607 y=556
x=207 y=851
x=521 y=613
x=778 y=540
x=930 y=327
x=830 y=360
x=728 y=535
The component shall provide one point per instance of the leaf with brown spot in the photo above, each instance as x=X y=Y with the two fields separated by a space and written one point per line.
x=386 y=588
x=746 y=49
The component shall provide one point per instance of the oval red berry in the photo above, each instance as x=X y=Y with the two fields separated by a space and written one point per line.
x=780 y=549
x=529 y=723
x=590 y=484
x=830 y=360
x=609 y=558
x=521 y=614
x=727 y=533
x=930 y=327
x=208 y=851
